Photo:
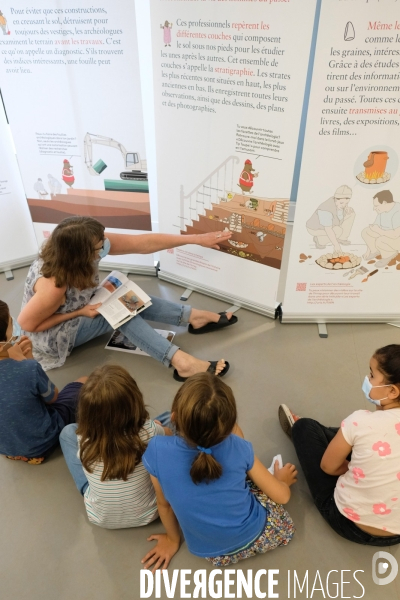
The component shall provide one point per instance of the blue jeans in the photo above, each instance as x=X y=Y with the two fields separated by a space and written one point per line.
x=138 y=331
x=70 y=447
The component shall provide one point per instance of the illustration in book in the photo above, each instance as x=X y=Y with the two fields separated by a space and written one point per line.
x=121 y=343
x=121 y=299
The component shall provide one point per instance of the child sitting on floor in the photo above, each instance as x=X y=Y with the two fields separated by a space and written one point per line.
x=358 y=495
x=226 y=502
x=104 y=450
x=32 y=412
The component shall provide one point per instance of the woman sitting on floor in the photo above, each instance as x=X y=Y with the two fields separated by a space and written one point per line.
x=55 y=309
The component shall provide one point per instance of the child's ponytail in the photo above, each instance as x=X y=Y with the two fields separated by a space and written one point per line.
x=205 y=467
x=205 y=414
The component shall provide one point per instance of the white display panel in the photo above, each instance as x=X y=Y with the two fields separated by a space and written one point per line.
x=228 y=88
x=345 y=251
x=18 y=242
x=72 y=88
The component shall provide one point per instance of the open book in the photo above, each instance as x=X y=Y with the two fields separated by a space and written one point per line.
x=121 y=299
x=120 y=343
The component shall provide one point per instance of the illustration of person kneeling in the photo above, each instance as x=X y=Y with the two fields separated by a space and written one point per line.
x=333 y=220
x=383 y=237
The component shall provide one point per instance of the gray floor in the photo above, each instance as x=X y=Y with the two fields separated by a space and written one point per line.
x=49 y=551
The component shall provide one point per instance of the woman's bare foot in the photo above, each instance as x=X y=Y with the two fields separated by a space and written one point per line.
x=188 y=365
x=199 y=318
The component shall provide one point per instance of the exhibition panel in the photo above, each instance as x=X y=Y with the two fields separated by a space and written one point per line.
x=345 y=252
x=228 y=92
x=15 y=222
x=72 y=90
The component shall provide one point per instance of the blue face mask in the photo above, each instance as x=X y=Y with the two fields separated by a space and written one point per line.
x=105 y=249
x=367 y=387
x=16 y=328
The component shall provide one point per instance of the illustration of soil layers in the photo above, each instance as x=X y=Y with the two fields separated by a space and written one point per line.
x=258 y=224
x=118 y=209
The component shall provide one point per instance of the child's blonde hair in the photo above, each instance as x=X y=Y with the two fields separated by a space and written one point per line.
x=205 y=414
x=111 y=413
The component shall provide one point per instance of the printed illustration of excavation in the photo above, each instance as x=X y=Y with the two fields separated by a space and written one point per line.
x=124 y=202
x=331 y=224
x=258 y=224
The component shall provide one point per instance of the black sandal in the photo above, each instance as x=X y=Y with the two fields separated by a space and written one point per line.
x=211 y=369
x=223 y=322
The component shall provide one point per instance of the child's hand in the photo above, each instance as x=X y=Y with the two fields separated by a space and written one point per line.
x=26 y=346
x=288 y=473
x=15 y=352
x=161 y=554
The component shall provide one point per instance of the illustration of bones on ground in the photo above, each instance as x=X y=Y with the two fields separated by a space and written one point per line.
x=258 y=224
x=338 y=261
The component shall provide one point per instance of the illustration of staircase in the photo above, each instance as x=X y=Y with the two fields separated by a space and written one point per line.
x=208 y=192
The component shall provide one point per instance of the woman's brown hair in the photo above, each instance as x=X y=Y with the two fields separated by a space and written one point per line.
x=4 y=320
x=111 y=413
x=68 y=255
x=205 y=414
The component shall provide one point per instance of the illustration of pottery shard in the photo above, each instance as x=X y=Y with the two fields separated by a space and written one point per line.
x=338 y=261
x=375 y=168
x=349 y=33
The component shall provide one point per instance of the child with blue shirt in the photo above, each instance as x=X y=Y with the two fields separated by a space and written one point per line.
x=32 y=411
x=209 y=483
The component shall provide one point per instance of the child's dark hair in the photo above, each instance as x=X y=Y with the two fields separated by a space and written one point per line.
x=388 y=359
x=4 y=320
x=205 y=414
x=111 y=413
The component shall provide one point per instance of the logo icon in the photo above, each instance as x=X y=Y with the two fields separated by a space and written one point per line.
x=380 y=568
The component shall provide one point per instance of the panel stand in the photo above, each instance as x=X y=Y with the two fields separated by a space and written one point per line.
x=9 y=274
x=232 y=309
x=322 y=330
x=186 y=294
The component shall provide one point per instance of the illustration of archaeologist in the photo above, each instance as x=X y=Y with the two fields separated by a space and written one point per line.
x=246 y=177
x=40 y=189
x=68 y=173
x=333 y=220
x=54 y=185
x=3 y=24
x=383 y=237
x=167 y=32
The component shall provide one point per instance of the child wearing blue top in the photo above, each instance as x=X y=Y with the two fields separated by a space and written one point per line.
x=32 y=412
x=208 y=482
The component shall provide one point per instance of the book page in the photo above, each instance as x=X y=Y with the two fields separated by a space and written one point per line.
x=126 y=301
x=110 y=284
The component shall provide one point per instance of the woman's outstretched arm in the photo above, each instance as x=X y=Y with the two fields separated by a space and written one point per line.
x=153 y=242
